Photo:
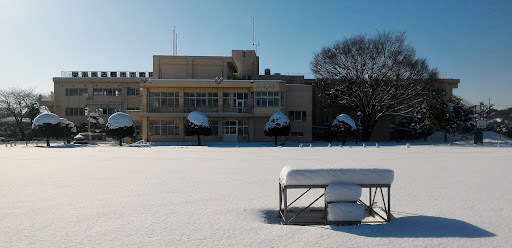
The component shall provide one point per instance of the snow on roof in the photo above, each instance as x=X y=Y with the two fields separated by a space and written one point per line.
x=46 y=118
x=118 y=120
x=278 y=119
x=345 y=118
x=291 y=176
x=198 y=118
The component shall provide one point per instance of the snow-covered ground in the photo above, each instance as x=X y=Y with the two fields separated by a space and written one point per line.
x=219 y=196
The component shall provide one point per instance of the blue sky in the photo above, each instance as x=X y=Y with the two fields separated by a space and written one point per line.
x=469 y=40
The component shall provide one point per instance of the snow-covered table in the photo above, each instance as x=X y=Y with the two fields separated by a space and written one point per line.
x=291 y=178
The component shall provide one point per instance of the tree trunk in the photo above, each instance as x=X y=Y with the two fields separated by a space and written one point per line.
x=120 y=141
x=275 y=140
x=199 y=140
x=445 y=137
x=343 y=140
x=47 y=141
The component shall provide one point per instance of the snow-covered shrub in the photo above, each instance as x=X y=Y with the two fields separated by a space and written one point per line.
x=197 y=124
x=68 y=130
x=342 y=127
x=97 y=124
x=120 y=125
x=47 y=125
x=277 y=125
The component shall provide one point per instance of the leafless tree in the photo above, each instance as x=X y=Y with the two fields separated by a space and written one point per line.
x=19 y=104
x=377 y=76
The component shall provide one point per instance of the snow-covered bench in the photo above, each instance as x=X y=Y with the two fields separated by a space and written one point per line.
x=308 y=179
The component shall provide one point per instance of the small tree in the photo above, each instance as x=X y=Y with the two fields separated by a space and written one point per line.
x=343 y=127
x=19 y=104
x=450 y=116
x=120 y=125
x=68 y=130
x=96 y=123
x=277 y=125
x=47 y=125
x=197 y=124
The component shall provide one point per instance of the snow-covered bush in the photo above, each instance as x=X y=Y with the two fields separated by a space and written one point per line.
x=342 y=127
x=97 y=124
x=68 y=130
x=197 y=124
x=277 y=125
x=47 y=125
x=120 y=125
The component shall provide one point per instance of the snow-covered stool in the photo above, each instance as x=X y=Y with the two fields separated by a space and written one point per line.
x=345 y=213
x=308 y=178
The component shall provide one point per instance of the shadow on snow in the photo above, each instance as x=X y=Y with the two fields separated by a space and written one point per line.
x=418 y=226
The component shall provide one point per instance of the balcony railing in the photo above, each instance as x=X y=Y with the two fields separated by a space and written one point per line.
x=107 y=74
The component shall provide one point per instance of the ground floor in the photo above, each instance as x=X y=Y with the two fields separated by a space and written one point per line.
x=224 y=129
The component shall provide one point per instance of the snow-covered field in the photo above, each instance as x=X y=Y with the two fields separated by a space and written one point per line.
x=174 y=196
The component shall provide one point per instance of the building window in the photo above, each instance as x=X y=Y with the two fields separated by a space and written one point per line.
x=164 y=100
x=201 y=100
x=235 y=100
x=239 y=127
x=133 y=91
x=164 y=128
x=133 y=109
x=107 y=111
x=267 y=99
x=133 y=74
x=85 y=74
x=214 y=124
x=94 y=74
x=297 y=115
x=297 y=134
x=75 y=111
x=76 y=91
x=106 y=92
x=122 y=74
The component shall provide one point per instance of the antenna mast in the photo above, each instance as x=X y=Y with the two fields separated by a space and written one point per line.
x=253 y=34
x=174 y=42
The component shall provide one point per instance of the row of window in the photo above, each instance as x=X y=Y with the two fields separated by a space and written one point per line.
x=210 y=100
x=76 y=91
x=106 y=92
x=171 y=127
x=77 y=111
x=297 y=115
x=101 y=91
x=192 y=99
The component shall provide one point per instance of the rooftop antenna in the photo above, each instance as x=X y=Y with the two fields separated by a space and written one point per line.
x=174 y=42
x=254 y=44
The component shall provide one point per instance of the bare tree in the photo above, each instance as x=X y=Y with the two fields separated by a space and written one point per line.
x=19 y=104
x=377 y=76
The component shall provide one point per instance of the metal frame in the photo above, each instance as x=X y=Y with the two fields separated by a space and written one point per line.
x=289 y=220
